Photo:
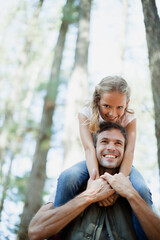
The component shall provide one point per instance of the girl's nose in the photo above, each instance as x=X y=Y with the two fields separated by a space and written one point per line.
x=113 y=113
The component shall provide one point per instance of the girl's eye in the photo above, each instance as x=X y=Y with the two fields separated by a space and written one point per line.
x=120 y=107
x=106 y=106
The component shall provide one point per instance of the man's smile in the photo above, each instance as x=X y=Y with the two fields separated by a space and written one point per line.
x=109 y=156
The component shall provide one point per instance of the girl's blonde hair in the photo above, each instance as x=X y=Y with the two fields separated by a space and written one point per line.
x=107 y=84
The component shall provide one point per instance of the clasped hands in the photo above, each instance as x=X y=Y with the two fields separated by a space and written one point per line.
x=104 y=194
x=111 y=199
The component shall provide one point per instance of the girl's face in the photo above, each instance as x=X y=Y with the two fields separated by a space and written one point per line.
x=112 y=106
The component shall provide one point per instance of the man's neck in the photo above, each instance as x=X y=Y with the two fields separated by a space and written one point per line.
x=111 y=171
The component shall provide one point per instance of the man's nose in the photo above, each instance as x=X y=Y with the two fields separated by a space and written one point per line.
x=110 y=146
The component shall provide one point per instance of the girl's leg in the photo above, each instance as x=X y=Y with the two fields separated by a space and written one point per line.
x=71 y=182
x=139 y=184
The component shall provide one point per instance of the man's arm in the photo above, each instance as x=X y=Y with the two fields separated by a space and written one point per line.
x=149 y=221
x=49 y=221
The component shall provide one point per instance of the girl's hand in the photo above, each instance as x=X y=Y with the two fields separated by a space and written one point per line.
x=109 y=201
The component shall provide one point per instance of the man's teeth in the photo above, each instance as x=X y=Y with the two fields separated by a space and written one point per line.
x=109 y=156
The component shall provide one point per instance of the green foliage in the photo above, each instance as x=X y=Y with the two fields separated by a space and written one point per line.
x=18 y=188
x=45 y=144
x=70 y=12
x=41 y=87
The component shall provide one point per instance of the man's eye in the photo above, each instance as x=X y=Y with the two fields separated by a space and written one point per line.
x=104 y=141
x=119 y=143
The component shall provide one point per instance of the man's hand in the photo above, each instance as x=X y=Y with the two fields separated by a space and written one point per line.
x=109 y=201
x=99 y=189
x=119 y=183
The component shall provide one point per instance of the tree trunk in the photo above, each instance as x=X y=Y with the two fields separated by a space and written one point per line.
x=5 y=186
x=38 y=174
x=77 y=88
x=152 y=26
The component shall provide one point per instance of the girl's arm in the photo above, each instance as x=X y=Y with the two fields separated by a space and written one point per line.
x=87 y=141
x=126 y=164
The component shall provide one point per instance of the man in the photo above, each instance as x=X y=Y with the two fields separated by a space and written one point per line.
x=95 y=222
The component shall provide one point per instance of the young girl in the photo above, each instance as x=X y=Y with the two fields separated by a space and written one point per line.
x=110 y=103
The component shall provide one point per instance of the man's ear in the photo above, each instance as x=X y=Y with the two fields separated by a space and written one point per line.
x=94 y=136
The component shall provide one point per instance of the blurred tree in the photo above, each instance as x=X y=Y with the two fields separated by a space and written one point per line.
x=77 y=87
x=18 y=91
x=12 y=132
x=152 y=26
x=123 y=34
x=37 y=177
x=5 y=186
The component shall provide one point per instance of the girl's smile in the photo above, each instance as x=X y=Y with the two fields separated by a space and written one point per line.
x=112 y=106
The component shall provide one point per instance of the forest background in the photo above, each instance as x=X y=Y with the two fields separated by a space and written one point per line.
x=52 y=54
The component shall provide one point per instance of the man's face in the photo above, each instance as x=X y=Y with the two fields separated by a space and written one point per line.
x=110 y=148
